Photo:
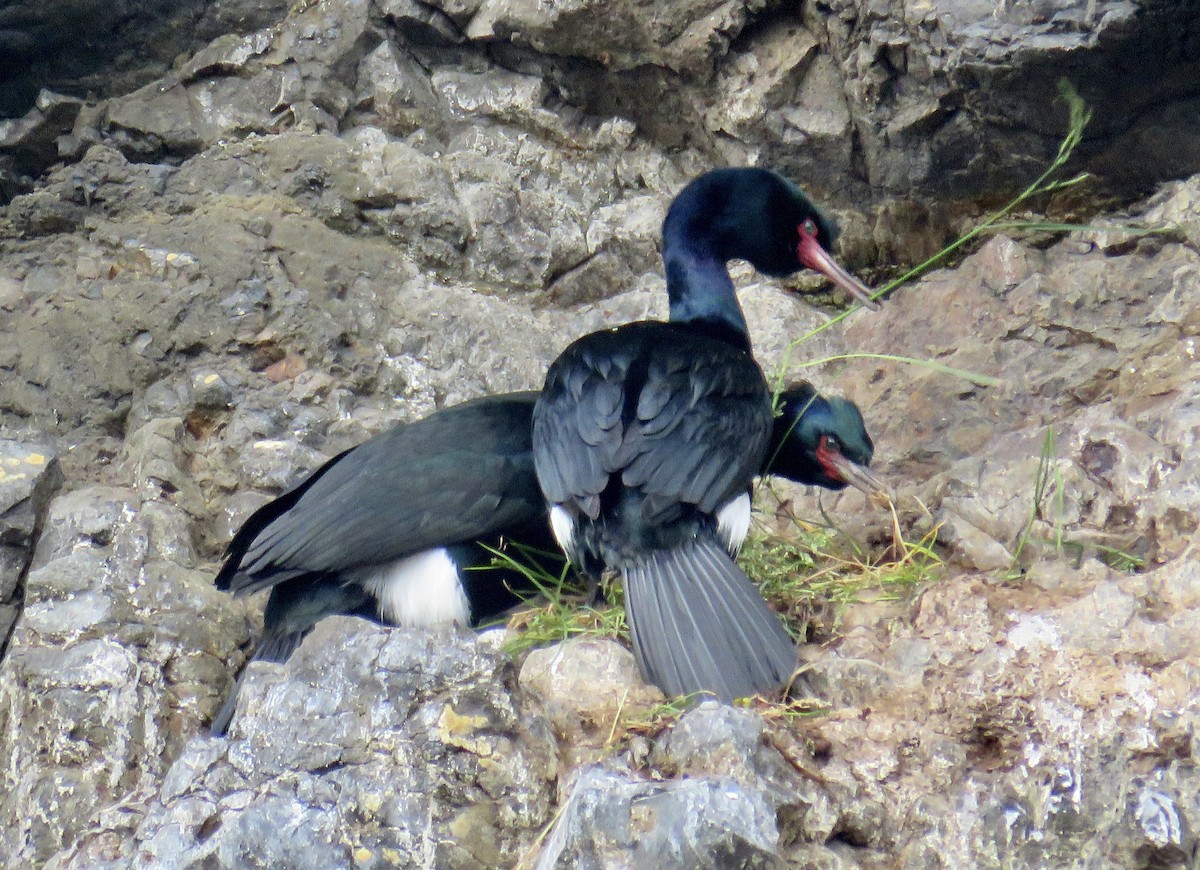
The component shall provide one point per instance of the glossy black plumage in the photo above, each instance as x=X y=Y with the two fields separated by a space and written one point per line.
x=459 y=477
x=297 y=603
x=745 y=213
x=808 y=429
x=646 y=438
x=657 y=417
x=641 y=436
x=413 y=498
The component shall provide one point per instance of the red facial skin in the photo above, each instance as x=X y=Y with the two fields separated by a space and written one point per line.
x=841 y=469
x=825 y=456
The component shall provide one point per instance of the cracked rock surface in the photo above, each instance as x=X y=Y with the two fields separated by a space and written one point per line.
x=237 y=241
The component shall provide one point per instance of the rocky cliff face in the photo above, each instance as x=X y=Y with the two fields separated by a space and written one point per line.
x=235 y=251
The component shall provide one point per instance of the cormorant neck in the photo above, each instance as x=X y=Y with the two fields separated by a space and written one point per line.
x=699 y=289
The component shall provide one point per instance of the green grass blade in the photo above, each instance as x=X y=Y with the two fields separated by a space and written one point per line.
x=974 y=377
x=1054 y=226
x=1078 y=117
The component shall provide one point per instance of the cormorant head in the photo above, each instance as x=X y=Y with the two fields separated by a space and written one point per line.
x=822 y=442
x=759 y=216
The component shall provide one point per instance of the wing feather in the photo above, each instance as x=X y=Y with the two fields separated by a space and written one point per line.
x=458 y=475
x=679 y=415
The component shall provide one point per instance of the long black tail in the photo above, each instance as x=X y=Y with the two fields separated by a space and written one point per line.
x=700 y=625
x=274 y=647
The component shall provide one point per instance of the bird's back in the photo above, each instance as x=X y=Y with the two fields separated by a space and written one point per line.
x=648 y=429
x=462 y=473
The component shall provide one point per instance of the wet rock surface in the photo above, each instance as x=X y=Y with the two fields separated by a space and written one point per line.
x=323 y=220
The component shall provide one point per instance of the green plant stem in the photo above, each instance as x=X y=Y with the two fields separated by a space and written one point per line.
x=1053 y=227
x=975 y=378
x=1046 y=471
x=1079 y=116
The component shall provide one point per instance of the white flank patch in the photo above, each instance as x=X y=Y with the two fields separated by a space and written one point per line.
x=733 y=523
x=419 y=590
x=564 y=529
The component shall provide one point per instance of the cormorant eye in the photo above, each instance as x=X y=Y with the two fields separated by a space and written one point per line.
x=831 y=443
x=809 y=227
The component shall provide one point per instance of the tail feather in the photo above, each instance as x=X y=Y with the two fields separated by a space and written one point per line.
x=653 y=626
x=274 y=647
x=753 y=625
x=699 y=625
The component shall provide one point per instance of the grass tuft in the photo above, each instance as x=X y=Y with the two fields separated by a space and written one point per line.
x=558 y=608
x=791 y=710
x=813 y=572
x=559 y=619
x=648 y=722
x=1048 y=472
x=1048 y=483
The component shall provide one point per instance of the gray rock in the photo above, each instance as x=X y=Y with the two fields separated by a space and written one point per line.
x=916 y=75
x=58 y=43
x=686 y=37
x=615 y=820
x=101 y=180
x=426 y=23
x=585 y=688
x=29 y=477
x=108 y=668
x=210 y=391
x=155 y=119
x=1162 y=824
x=408 y=196
x=395 y=92
x=1065 y=328
x=714 y=741
x=939 y=99
x=622 y=245
x=31 y=142
x=459 y=11
x=1177 y=205
x=241 y=84
x=376 y=748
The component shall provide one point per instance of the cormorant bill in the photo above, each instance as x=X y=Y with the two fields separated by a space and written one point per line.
x=821 y=441
x=646 y=437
